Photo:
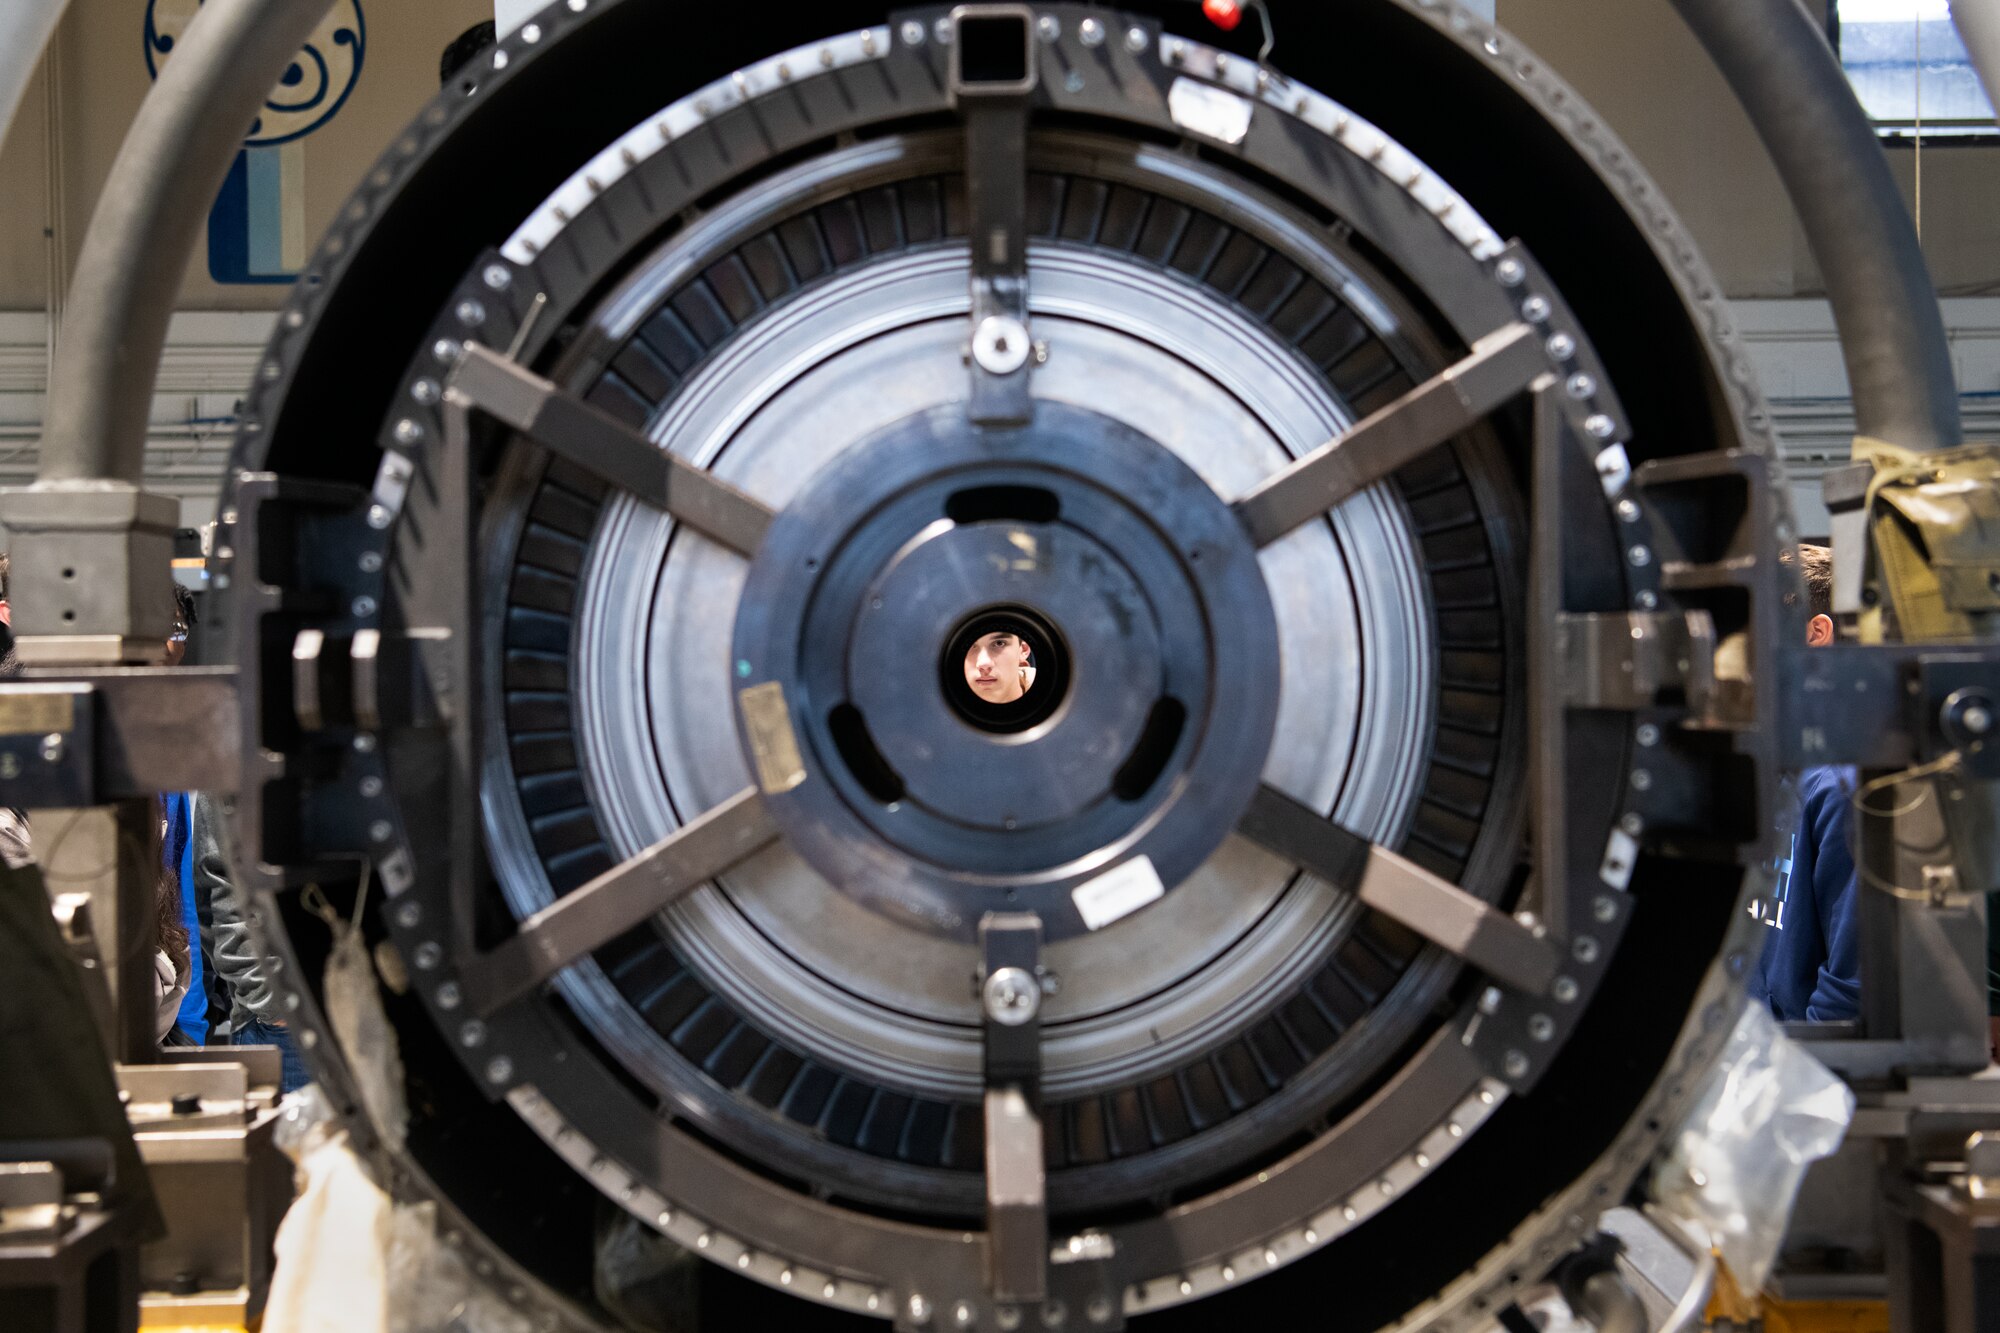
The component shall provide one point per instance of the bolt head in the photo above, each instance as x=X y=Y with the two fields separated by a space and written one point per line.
x=471 y=313
x=1091 y=32
x=497 y=276
x=1515 y=1064
x=1001 y=345
x=1012 y=996
x=1511 y=272
x=1535 y=309
x=913 y=33
x=919 y=1308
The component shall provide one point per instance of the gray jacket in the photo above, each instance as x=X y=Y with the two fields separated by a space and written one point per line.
x=237 y=960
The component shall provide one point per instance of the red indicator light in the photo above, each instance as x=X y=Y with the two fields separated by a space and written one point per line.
x=1224 y=14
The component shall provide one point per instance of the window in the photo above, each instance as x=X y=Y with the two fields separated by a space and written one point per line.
x=1909 y=68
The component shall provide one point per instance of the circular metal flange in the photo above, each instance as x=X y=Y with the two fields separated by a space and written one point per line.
x=1141 y=569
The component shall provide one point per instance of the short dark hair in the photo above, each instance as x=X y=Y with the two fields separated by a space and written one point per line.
x=1815 y=566
x=463 y=49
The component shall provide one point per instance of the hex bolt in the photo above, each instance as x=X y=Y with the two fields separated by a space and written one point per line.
x=1585 y=949
x=1090 y=32
x=447 y=995
x=1535 y=309
x=1564 y=990
x=1605 y=908
x=913 y=33
x=407 y=914
x=1581 y=385
x=1560 y=346
x=52 y=748
x=1048 y=27
x=1982 y=1164
x=1135 y=39
x=427 y=956
x=472 y=1033
x=1511 y=272
x=1541 y=1027
x=963 y=1314
x=497 y=277
x=1516 y=1065
x=1012 y=996
x=1648 y=734
x=499 y=1069
x=471 y=313
x=1977 y=719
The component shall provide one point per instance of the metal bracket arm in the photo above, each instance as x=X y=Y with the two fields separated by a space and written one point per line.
x=1010 y=993
x=1638 y=659
x=90 y=736
x=993 y=76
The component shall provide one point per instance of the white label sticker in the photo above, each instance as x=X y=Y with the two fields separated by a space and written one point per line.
x=1620 y=854
x=1118 y=892
x=1208 y=111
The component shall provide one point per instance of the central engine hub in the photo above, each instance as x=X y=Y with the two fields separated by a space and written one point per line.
x=1141 y=746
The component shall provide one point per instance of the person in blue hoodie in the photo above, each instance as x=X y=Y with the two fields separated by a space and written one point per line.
x=1810 y=969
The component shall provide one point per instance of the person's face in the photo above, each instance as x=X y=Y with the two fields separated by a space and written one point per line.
x=993 y=667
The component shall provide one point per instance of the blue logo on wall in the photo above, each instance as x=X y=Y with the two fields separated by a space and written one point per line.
x=256 y=228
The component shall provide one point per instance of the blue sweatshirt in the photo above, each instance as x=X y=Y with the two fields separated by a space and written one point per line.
x=1810 y=970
